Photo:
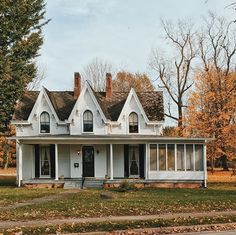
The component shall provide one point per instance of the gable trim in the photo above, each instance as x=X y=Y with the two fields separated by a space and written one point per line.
x=39 y=98
x=132 y=93
x=85 y=88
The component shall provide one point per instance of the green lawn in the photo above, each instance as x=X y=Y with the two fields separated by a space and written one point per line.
x=164 y=224
x=87 y=203
x=12 y=195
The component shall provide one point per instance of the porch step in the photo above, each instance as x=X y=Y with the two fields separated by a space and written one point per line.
x=73 y=184
x=93 y=183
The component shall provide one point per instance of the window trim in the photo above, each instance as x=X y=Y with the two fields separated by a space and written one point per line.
x=175 y=152
x=133 y=122
x=48 y=123
x=83 y=131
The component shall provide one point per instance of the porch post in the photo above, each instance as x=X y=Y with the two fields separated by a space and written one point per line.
x=56 y=161
x=111 y=161
x=20 y=165
x=146 y=162
x=205 y=165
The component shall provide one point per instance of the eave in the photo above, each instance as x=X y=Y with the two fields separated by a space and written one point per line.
x=106 y=139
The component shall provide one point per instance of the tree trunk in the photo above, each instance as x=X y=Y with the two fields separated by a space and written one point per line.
x=180 y=120
x=224 y=162
x=212 y=164
x=6 y=163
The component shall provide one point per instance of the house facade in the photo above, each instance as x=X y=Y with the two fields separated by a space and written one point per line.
x=105 y=137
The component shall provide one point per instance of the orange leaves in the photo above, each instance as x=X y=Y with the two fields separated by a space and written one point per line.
x=7 y=148
x=211 y=112
x=125 y=81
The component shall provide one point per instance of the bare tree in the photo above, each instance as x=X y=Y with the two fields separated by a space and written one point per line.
x=217 y=52
x=174 y=72
x=217 y=44
x=36 y=82
x=95 y=73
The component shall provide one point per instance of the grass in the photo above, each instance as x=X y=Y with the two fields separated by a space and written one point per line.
x=122 y=225
x=10 y=195
x=87 y=203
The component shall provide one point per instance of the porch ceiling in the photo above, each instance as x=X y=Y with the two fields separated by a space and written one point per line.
x=105 y=139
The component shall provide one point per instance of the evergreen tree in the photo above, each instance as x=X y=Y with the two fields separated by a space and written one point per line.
x=21 y=23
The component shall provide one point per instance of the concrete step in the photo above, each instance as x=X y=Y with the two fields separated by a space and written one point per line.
x=92 y=183
x=72 y=184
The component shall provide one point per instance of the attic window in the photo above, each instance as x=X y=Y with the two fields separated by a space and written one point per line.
x=133 y=123
x=88 y=121
x=44 y=123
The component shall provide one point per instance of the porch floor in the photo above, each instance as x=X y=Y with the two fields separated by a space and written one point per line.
x=69 y=183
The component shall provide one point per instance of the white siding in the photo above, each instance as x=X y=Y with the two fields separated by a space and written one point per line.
x=64 y=161
x=176 y=175
x=76 y=158
x=27 y=161
x=100 y=161
x=118 y=160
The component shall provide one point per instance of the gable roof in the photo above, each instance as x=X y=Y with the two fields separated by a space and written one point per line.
x=64 y=101
x=25 y=105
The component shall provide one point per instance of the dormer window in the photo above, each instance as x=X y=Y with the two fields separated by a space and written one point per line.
x=88 y=121
x=133 y=123
x=44 y=123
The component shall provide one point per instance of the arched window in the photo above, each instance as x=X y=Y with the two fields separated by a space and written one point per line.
x=88 y=121
x=133 y=123
x=44 y=123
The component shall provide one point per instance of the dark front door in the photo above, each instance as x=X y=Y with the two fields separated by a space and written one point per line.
x=88 y=162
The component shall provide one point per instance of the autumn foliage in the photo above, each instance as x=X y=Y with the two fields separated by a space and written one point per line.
x=211 y=112
x=7 y=149
x=124 y=81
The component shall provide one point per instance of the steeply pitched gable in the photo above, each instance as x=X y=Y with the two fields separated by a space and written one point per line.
x=64 y=101
x=25 y=105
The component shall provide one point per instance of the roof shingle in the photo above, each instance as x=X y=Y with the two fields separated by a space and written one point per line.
x=64 y=101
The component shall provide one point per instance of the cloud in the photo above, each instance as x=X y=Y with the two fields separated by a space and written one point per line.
x=84 y=7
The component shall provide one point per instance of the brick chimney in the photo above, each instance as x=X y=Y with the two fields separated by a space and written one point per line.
x=108 y=86
x=77 y=84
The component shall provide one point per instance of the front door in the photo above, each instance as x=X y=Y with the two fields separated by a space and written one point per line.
x=88 y=161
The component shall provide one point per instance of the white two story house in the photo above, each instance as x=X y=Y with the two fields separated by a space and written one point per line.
x=105 y=137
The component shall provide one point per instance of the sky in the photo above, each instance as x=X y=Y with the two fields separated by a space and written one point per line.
x=121 y=32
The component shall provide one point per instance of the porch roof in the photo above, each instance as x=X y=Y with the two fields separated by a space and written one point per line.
x=105 y=139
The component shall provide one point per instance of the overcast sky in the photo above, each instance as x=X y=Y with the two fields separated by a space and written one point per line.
x=122 y=32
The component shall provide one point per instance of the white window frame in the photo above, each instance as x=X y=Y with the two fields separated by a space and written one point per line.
x=175 y=152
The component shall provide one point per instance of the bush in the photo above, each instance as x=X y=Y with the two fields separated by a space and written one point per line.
x=125 y=186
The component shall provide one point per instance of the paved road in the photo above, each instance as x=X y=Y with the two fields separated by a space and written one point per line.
x=210 y=233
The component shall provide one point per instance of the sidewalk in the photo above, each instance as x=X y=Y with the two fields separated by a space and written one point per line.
x=35 y=223
x=208 y=229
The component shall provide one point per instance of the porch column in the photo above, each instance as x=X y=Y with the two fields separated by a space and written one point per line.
x=56 y=161
x=146 y=162
x=20 y=165
x=111 y=161
x=205 y=165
